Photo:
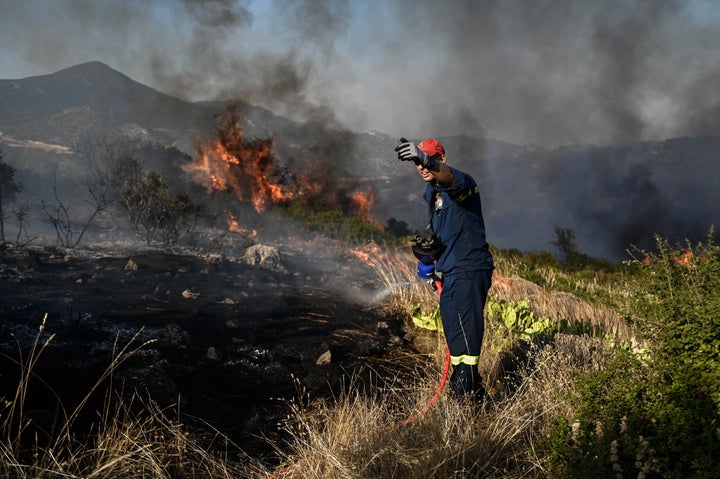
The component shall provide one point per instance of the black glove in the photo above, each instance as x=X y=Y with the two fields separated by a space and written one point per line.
x=408 y=151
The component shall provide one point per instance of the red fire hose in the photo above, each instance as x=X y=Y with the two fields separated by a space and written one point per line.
x=446 y=369
x=436 y=395
x=433 y=399
x=443 y=380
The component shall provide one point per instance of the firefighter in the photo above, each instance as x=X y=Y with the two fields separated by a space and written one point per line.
x=454 y=246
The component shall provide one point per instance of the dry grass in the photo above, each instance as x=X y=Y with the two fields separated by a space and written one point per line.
x=563 y=307
x=130 y=438
x=354 y=435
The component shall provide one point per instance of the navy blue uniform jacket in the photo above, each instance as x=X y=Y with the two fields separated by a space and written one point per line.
x=456 y=217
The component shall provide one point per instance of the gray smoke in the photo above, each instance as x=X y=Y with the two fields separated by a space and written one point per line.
x=548 y=73
x=566 y=71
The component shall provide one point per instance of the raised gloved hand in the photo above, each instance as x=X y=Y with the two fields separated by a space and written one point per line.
x=408 y=151
x=426 y=271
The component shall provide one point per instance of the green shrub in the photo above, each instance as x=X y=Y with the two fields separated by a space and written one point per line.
x=154 y=211
x=513 y=322
x=332 y=221
x=655 y=413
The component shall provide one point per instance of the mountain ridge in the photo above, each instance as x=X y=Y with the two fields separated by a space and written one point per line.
x=612 y=195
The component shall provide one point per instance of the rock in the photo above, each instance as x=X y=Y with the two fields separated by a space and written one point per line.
x=324 y=359
x=213 y=258
x=156 y=380
x=267 y=257
x=187 y=294
x=130 y=265
x=173 y=337
x=213 y=354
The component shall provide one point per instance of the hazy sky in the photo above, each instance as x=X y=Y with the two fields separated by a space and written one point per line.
x=548 y=72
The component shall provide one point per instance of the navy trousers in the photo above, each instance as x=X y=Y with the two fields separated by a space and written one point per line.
x=462 y=303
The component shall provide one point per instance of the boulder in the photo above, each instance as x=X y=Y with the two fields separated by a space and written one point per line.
x=267 y=257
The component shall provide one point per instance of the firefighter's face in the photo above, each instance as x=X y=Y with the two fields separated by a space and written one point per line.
x=426 y=174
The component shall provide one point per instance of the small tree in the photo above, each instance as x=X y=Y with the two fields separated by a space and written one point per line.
x=8 y=189
x=154 y=211
x=59 y=216
x=21 y=215
x=398 y=228
x=112 y=163
x=565 y=242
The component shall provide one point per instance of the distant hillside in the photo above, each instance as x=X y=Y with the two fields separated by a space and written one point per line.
x=611 y=196
x=94 y=97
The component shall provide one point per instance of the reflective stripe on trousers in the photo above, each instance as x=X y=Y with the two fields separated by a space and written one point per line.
x=465 y=359
x=461 y=306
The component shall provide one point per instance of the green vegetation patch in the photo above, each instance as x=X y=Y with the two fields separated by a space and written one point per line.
x=654 y=412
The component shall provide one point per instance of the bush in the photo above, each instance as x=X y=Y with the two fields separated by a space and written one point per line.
x=317 y=215
x=655 y=412
x=154 y=211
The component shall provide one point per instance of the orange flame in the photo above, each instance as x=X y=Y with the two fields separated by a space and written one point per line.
x=685 y=259
x=233 y=223
x=364 y=201
x=245 y=167
x=373 y=255
x=235 y=227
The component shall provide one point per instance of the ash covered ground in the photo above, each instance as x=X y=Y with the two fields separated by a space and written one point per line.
x=224 y=332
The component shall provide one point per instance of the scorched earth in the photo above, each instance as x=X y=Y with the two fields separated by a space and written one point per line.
x=222 y=335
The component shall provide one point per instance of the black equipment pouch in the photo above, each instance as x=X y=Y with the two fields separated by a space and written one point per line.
x=428 y=245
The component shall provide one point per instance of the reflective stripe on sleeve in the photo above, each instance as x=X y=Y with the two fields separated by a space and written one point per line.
x=467 y=194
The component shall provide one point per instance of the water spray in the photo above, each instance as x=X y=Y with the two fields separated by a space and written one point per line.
x=435 y=282
x=385 y=292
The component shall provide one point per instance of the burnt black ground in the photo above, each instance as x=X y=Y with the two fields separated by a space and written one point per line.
x=227 y=342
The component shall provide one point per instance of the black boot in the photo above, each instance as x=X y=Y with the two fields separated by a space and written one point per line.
x=466 y=381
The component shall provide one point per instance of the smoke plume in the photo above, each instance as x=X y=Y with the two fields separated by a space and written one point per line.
x=546 y=73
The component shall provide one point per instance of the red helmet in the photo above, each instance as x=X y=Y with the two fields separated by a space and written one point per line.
x=431 y=147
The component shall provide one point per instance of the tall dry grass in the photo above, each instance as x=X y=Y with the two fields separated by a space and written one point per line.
x=356 y=435
x=362 y=432
x=130 y=438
